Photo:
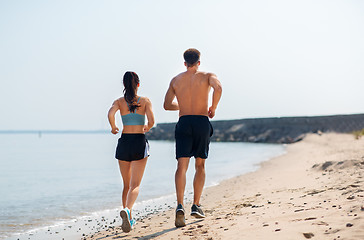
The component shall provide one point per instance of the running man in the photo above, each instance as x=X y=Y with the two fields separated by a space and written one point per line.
x=193 y=130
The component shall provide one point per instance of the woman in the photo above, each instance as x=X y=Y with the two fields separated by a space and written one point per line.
x=133 y=149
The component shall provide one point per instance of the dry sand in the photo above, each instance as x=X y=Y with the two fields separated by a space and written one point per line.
x=315 y=191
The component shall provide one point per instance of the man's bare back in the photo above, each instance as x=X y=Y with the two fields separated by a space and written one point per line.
x=191 y=88
x=192 y=91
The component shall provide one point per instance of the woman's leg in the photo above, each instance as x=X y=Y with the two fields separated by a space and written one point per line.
x=137 y=171
x=125 y=170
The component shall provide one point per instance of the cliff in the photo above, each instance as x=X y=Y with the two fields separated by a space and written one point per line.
x=270 y=130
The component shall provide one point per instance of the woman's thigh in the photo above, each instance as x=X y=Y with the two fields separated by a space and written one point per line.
x=125 y=170
x=137 y=171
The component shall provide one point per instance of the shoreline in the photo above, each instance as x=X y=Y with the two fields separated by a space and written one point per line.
x=88 y=222
x=315 y=190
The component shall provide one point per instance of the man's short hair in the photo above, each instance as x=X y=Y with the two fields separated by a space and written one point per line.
x=191 y=56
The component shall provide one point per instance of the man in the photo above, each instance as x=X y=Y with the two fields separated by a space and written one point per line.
x=193 y=130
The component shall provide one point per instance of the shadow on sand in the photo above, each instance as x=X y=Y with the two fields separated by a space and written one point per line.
x=157 y=234
x=147 y=237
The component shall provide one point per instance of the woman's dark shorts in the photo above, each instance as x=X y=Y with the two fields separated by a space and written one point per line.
x=132 y=147
x=192 y=135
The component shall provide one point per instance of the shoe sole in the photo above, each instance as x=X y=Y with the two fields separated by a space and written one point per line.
x=197 y=215
x=125 y=226
x=180 y=219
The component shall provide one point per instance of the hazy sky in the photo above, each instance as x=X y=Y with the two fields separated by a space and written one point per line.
x=62 y=62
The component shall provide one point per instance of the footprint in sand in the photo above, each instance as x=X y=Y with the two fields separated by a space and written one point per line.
x=308 y=235
x=310 y=218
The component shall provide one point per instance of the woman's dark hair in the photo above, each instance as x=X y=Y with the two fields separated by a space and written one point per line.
x=131 y=81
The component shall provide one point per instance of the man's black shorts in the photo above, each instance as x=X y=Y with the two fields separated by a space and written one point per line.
x=192 y=135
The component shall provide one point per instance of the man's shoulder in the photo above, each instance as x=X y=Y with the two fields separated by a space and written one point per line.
x=177 y=78
x=206 y=74
x=180 y=75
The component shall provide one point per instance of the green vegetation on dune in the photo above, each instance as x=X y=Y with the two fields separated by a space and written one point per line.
x=358 y=134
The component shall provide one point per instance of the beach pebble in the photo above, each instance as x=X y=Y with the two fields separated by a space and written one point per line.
x=349 y=225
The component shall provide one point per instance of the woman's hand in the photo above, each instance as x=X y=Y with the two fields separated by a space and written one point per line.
x=114 y=130
x=146 y=128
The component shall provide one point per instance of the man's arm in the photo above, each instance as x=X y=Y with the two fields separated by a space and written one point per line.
x=111 y=116
x=168 y=99
x=216 y=85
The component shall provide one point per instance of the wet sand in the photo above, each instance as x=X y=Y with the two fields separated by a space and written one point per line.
x=315 y=191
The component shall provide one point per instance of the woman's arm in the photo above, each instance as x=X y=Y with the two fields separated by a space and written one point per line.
x=150 y=115
x=111 y=116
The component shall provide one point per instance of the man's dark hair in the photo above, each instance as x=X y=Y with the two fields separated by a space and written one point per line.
x=191 y=56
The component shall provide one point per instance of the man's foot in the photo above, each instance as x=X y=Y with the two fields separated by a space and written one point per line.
x=180 y=216
x=125 y=216
x=197 y=212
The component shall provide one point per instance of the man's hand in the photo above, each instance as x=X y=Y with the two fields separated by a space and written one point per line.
x=212 y=112
x=114 y=130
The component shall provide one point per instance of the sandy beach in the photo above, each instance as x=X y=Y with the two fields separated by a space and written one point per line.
x=315 y=191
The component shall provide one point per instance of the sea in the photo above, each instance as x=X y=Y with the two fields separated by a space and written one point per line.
x=68 y=185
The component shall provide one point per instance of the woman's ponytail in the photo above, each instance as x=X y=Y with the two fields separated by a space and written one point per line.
x=131 y=81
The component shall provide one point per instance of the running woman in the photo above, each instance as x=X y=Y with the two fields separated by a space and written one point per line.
x=132 y=150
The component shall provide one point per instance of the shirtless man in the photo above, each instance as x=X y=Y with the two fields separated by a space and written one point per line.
x=193 y=130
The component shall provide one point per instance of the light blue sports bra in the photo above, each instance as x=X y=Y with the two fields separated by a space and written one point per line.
x=133 y=118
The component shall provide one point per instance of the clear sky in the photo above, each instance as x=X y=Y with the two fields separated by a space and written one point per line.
x=62 y=62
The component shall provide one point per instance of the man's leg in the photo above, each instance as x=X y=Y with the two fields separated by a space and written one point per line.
x=199 y=180
x=180 y=178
